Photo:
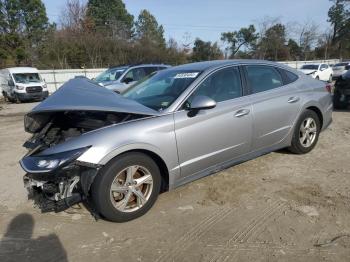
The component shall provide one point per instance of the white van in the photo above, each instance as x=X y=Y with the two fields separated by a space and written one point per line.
x=22 y=84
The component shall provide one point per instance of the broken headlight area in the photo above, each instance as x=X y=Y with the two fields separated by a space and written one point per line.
x=49 y=163
x=57 y=182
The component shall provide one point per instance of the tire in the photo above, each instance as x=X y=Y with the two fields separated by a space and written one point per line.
x=17 y=100
x=109 y=203
x=337 y=104
x=297 y=146
x=317 y=78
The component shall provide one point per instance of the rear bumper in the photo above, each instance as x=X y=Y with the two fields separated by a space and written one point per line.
x=32 y=96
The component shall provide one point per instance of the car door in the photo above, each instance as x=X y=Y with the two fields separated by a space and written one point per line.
x=215 y=135
x=275 y=105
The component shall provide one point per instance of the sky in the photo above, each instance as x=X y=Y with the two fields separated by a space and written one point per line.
x=185 y=20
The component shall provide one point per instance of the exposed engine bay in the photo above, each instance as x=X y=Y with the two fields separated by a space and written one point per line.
x=50 y=129
x=69 y=184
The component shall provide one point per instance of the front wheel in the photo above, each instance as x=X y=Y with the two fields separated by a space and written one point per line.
x=127 y=187
x=306 y=133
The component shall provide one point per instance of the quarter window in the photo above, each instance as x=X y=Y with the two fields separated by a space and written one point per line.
x=221 y=85
x=263 y=78
x=290 y=77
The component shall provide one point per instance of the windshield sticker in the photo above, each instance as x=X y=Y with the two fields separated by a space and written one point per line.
x=187 y=75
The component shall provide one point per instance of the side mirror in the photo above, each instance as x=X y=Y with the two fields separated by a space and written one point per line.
x=201 y=103
x=11 y=83
x=128 y=80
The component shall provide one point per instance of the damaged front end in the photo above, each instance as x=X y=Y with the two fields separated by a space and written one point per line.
x=57 y=182
x=55 y=178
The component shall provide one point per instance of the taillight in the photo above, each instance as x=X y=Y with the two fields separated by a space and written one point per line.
x=329 y=88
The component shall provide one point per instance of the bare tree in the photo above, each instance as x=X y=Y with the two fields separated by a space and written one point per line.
x=262 y=26
x=73 y=15
x=308 y=35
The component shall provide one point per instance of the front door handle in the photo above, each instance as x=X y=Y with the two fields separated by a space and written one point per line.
x=293 y=99
x=242 y=112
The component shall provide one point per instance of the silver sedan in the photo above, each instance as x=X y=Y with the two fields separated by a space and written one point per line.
x=118 y=152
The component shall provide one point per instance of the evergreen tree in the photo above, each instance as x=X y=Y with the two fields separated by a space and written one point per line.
x=147 y=28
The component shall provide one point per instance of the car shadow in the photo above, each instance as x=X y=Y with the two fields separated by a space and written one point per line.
x=18 y=244
x=342 y=110
x=284 y=151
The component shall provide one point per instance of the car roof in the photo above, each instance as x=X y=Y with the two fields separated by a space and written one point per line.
x=139 y=65
x=207 y=65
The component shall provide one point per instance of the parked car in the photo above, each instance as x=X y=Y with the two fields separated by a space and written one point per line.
x=340 y=69
x=20 y=84
x=118 y=152
x=318 y=71
x=341 y=97
x=121 y=77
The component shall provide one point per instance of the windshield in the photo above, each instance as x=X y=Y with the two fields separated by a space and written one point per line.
x=313 y=67
x=27 y=78
x=161 y=90
x=110 y=74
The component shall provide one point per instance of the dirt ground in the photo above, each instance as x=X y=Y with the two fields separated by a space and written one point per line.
x=279 y=207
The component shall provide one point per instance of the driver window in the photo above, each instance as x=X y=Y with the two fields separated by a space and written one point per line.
x=136 y=74
x=222 y=85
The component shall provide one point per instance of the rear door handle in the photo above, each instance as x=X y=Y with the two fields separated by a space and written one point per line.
x=242 y=112
x=293 y=99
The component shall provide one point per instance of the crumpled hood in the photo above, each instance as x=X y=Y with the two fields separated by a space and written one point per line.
x=83 y=94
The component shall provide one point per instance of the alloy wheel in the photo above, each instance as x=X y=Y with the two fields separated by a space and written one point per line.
x=308 y=132
x=131 y=188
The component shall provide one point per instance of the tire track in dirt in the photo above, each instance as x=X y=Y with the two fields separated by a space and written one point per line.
x=194 y=234
x=249 y=230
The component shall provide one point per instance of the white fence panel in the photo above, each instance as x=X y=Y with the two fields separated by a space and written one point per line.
x=55 y=78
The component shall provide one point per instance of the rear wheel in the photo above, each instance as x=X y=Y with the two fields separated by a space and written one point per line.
x=127 y=187
x=317 y=78
x=306 y=133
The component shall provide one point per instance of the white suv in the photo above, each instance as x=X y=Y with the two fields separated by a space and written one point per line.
x=318 y=71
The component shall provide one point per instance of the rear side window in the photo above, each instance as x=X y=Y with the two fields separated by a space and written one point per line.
x=263 y=78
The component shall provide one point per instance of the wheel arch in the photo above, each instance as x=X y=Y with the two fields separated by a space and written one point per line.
x=151 y=152
x=318 y=112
